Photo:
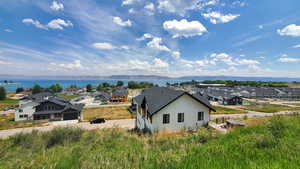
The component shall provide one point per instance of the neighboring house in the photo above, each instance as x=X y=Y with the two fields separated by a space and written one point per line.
x=119 y=95
x=72 y=91
x=161 y=108
x=102 y=97
x=25 y=111
x=46 y=107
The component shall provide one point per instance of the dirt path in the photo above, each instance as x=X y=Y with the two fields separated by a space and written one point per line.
x=126 y=124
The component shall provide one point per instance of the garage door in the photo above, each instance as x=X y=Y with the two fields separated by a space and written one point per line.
x=70 y=116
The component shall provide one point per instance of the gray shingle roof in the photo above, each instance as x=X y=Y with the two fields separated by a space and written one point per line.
x=159 y=97
x=120 y=92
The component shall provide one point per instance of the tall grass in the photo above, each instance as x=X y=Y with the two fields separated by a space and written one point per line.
x=275 y=144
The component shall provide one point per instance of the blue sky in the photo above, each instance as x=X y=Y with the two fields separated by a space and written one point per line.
x=162 y=37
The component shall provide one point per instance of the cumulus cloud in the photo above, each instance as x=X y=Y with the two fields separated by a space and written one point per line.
x=290 y=30
x=229 y=60
x=145 y=36
x=59 y=24
x=71 y=66
x=156 y=43
x=129 y=2
x=296 y=46
x=54 y=24
x=180 y=7
x=36 y=23
x=150 y=8
x=120 y=22
x=56 y=6
x=158 y=63
x=176 y=55
x=289 y=60
x=217 y=17
x=184 y=28
x=108 y=46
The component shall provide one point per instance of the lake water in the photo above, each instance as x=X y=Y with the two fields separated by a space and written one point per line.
x=67 y=83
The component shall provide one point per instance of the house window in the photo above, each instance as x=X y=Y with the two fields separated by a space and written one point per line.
x=21 y=116
x=200 y=116
x=180 y=117
x=166 y=118
x=20 y=110
x=25 y=116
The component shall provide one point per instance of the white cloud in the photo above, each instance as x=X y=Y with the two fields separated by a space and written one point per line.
x=120 y=22
x=132 y=11
x=176 y=55
x=158 y=63
x=56 y=6
x=129 y=2
x=217 y=17
x=296 y=46
x=290 y=30
x=103 y=45
x=261 y=26
x=150 y=8
x=145 y=36
x=59 y=24
x=229 y=60
x=2 y=62
x=156 y=43
x=54 y=24
x=289 y=60
x=36 y=23
x=184 y=28
x=8 y=30
x=248 y=62
x=108 y=46
x=75 y=65
x=182 y=6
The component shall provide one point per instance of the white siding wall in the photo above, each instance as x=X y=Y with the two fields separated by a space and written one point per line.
x=185 y=104
x=26 y=109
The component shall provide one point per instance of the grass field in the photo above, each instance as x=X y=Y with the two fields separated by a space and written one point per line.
x=7 y=122
x=109 y=113
x=273 y=145
x=8 y=103
x=226 y=110
x=270 y=108
x=68 y=96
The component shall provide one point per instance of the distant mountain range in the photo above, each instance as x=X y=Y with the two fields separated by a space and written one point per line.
x=150 y=77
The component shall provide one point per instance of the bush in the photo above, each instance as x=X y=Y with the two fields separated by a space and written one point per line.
x=61 y=136
x=25 y=140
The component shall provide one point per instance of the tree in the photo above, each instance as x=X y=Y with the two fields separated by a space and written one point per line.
x=105 y=84
x=2 y=93
x=19 y=90
x=89 y=88
x=120 y=83
x=73 y=86
x=56 y=88
x=36 y=89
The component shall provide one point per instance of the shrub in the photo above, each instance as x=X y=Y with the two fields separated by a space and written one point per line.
x=61 y=136
x=25 y=140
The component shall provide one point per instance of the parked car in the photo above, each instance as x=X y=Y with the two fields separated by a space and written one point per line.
x=97 y=120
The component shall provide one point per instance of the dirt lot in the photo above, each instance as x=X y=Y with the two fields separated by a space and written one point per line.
x=109 y=113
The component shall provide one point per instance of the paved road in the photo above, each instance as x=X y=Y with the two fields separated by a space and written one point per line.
x=126 y=124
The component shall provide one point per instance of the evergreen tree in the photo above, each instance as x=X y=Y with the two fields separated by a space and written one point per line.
x=89 y=88
x=2 y=93
x=36 y=89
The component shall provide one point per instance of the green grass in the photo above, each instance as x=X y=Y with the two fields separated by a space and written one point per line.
x=8 y=103
x=270 y=108
x=68 y=96
x=226 y=110
x=273 y=145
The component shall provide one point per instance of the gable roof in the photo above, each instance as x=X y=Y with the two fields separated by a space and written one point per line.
x=120 y=92
x=159 y=97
